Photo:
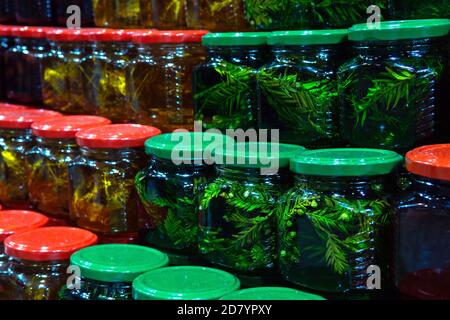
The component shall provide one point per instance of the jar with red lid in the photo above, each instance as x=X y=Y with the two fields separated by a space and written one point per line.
x=5 y=43
x=422 y=226
x=48 y=162
x=8 y=107
x=40 y=262
x=105 y=75
x=86 y=7
x=12 y=222
x=62 y=80
x=15 y=141
x=103 y=198
x=36 y=12
x=168 y=15
x=7 y=11
x=25 y=64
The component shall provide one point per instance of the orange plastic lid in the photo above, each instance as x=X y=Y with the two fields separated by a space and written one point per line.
x=430 y=161
x=116 y=136
x=23 y=119
x=67 y=127
x=48 y=244
x=16 y=221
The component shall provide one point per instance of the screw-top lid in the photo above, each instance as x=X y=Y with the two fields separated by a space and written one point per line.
x=117 y=262
x=181 y=146
x=116 y=136
x=345 y=162
x=23 y=119
x=259 y=154
x=184 y=283
x=74 y=35
x=307 y=37
x=113 y=35
x=146 y=36
x=400 y=30
x=430 y=161
x=181 y=36
x=49 y=243
x=30 y=32
x=271 y=293
x=67 y=126
x=17 y=221
x=235 y=39
x=5 y=31
x=11 y=107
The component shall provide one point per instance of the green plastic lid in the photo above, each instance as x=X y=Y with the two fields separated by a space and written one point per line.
x=400 y=30
x=259 y=154
x=180 y=146
x=235 y=39
x=346 y=162
x=307 y=37
x=184 y=283
x=117 y=262
x=271 y=293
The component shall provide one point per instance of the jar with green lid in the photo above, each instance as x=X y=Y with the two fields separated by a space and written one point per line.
x=237 y=220
x=225 y=85
x=16 y=140
x=388 y=91
x=216 y=15
x=167 y=15
x=416 y=9
x=334 y=223
x=107 y=271
x=299 y=92
x=184 y=283
x=169 y=187
x=48 y=162
x=271 y=294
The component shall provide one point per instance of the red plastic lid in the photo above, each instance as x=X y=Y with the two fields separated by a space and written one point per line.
x=430 y=161
x=146 y=36
x=181 y=36
x=5 y=31
x=11 y=107
x=17 y=221
x=67 y=126
x=23 y=119
x=116 y=136
x=74 y=35
x=30 y=32
x=113 y=35
x=49 y=243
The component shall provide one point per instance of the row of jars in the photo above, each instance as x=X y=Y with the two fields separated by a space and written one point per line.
x=388 y=91
x=215 y=15
x=322 y=218
x=140 y=76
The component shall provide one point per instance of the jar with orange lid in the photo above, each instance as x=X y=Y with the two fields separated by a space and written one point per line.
x=62 y=80
x=103 y=198
x=36 y=12
x=25 y=64
x=7 y=11
x=86 y=7
x=168 y=15
x=5 y=43
x=15 y=140
x=40 y=260
x=12 y=222
x=422 y=226
x=48 y=162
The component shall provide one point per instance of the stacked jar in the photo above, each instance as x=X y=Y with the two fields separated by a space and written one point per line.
x=65 y=13
x=103 y=198
x=5 y=43
x=16 y=140
x=334 y=234
x=49 y=160
x=36 y=12
x=388 y=91
x=225 y=93
x=299 y=88
x=122 y=13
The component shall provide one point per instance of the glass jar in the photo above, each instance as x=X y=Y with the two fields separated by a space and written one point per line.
x=184 y=283
x=103 y=198
x=7 y=12
x=107 y=271
x=225 y=95
x=48 y=162
x=216 y=15
x=168 y=15
x=270 y=294
x=12 y=222
x=389 y=89
x=415 y=9
x=237 y=222
x=36 y=12
x=40 y=260
x=169 y=188
x=105 y=75
x=5 y=44
x=342 y=204
x=299 y=88
x=25 y=65
x=119 y=13
x=86 y=7
x=422 y=226
x=15 y=141
x=63 y=78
